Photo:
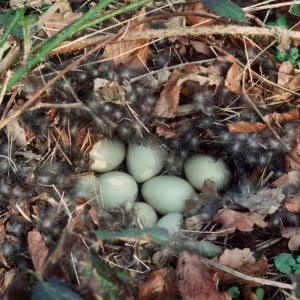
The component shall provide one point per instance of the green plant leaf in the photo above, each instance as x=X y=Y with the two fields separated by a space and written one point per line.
x=282 y=56
x=295 y=9
x=225 y=8
x=234 y=292
x=283 y=262
x=283 y=22
x=260 y=293
x=159 y=235
x=53 y=289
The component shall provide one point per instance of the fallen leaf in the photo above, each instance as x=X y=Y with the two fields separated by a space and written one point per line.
x=272 y=119
x=233 y=79
x=167 y=104
x=8 y=278
x=248 y=293
x=113 y=92
x=201 y=47
x=243 y=221
x=198 y=7
x=242 y=261
x=293 y=204
x=159 y=285
x=197 y=280
x=209 y=188
x=15 y=131
x=292 y=160
x=37 y=249
x=131 y=53
x=264 y=202
x=58 y=21
x=292 y=233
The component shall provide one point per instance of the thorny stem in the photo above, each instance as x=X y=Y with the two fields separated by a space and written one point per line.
x=19 y=14
x=113 y=14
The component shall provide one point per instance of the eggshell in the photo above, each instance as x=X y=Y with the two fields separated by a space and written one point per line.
x=167 y=194
x=199 y=167
x=116 y=188
x=146 y=214
x=106 y=155
x=171 y=222
x=144 y=162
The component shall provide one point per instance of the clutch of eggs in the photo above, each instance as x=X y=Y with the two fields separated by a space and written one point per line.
x=164 y=194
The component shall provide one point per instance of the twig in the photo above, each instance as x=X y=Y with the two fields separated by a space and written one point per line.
x=209 y=30
x=56 y=105
x=276 y=5
x=247 y=277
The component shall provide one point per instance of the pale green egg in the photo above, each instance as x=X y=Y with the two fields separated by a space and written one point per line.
x=87 y=187
x=199 y=167
x=106 y=155
x=171 y=222
x=167 y=194
x=144 y=162
x=146 y=214
x=116 y=188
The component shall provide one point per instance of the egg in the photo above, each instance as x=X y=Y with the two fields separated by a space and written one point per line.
x=146 y=214
x=144 y=162
x=167 y=194
x=106 y=155
x=116 y=188
x=199 y=167
x=171 y=222
x=86 y=187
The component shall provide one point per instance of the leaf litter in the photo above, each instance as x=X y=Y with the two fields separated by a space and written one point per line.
x=224 y=106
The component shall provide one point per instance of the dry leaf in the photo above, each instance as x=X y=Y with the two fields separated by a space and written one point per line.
x=201 y=47
x=233 y=79
x=239 y=220
x=37 y=249
x=272 y=119
x=58 y=21
x=293 y=204
x=198 y=7
x=197 y=280
x=113 y=92
x=167 y=105
x=293 y=234
x=159 y=285
x=242 y=261
x=248 y=293
x=16 y=132
x=292 y=160
x=124 y=52
x=264 y=202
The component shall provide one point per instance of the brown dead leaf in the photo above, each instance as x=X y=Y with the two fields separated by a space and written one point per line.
x=198 y=7
x=293 y=204
x=15 y=131
x=264 y=202
x=292 y=233
x=58 y=21
x=3 y=259
x=201 y=47
x=8 y=278
x=272 y=119
x=242 y=261
x=233 y=79
x=37 y=249
x=94 y=216
x=167 y=105
x=113 y=92
x=124 y=52
x=197 y=280
x=239 y=220
x=292 y=160
x=209 y=188
x=248 y=293
x=160 y=285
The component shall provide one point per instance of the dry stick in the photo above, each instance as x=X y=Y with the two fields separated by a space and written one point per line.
x=270 y=6
x=56 y=105
x=54 y=79
x=210 y=30
x=8 y=74
x=80 y=43
x=247 y=277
